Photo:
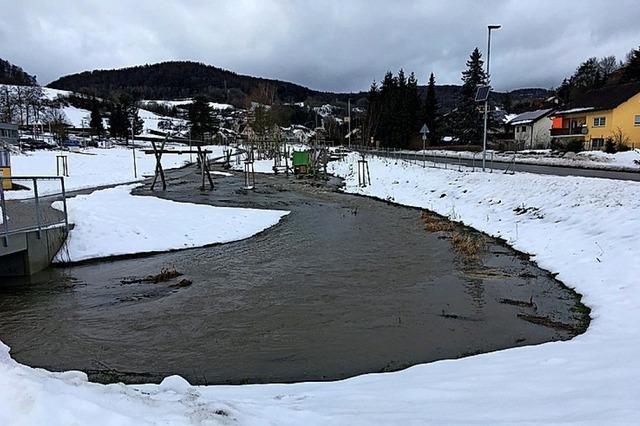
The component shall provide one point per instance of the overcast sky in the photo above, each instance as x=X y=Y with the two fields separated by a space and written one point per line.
x=324 y=44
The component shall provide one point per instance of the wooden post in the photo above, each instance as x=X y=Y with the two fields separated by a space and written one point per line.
x=204 y=168
x=158 y=170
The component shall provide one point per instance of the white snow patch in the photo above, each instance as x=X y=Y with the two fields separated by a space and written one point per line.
x=113 y=222
x=92 y=167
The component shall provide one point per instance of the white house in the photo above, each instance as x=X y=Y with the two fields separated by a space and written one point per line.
x=532 y=129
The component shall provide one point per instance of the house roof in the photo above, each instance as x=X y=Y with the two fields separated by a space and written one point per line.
x=530 y=116
x=608 y=97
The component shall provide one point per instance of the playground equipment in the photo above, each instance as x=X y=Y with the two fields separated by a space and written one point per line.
x=5 y=168
x=301 y=162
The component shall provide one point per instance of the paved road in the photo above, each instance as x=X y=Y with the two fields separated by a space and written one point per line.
x=454 y=162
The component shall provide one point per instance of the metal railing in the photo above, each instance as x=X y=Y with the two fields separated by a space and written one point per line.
x=432 y=159
x=31 y=210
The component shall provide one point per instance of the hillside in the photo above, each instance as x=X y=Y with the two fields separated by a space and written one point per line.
x=13 y=74
x=179 y=80
x=176 y=80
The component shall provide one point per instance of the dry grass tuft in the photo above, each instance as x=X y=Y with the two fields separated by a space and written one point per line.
x=436 y=224
x=468 y=244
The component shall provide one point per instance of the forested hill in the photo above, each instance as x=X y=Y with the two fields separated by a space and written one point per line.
x=175 y=80
x=13 y=74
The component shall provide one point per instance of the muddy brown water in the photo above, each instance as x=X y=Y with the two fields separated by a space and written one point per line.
x=343 y=285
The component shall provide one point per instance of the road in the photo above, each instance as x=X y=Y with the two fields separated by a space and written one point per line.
x=454 y=162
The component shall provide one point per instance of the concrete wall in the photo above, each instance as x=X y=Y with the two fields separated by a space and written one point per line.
x=27 y=254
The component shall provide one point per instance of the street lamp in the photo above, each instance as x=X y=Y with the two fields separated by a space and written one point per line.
x=486 y=101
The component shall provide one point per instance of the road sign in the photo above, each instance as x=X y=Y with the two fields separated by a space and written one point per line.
x=424 y=130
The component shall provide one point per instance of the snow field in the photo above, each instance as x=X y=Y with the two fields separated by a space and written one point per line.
x=151 y=224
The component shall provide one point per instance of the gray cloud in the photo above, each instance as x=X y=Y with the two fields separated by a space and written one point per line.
x=327 y=45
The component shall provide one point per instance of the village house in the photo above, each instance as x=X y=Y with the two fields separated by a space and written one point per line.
x=612 y=112
x=8 y=134
x=531 y=129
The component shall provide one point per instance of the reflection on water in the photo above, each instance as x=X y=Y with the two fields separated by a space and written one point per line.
x=343 y=285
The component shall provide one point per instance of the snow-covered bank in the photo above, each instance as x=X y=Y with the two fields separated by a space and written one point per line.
x=150 y=224
x=620 y=161
x=92 y=167
x=583 y=229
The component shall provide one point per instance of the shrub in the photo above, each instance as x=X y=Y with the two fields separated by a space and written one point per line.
x=575 y=145
x=609 y=146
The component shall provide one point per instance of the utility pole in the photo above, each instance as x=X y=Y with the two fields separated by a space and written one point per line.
x=190 y=156
x=350 y=135
x=486 y=102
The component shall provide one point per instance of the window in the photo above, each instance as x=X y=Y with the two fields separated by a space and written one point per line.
x=636 y=121
x=597 y=143
x=599 y=121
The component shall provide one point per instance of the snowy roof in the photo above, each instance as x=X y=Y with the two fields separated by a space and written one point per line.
x=529 y=117
x=572 y=110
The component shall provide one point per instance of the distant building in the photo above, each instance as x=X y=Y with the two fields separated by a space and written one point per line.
x=531 y=129
x=612 y=112
x=8 y=134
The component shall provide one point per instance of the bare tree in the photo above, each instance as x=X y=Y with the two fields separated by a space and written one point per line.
x=620 y=139
x=57 y=121
x=265 y=94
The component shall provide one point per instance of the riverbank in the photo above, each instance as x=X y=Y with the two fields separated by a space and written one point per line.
x=592 y=379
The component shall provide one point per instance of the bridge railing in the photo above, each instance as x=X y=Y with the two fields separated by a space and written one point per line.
x=33 y=203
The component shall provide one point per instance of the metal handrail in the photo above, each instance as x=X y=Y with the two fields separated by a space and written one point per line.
x=40 y=223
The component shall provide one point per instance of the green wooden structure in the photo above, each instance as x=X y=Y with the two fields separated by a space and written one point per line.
x=301 y=162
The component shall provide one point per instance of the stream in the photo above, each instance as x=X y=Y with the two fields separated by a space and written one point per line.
x=343 y=285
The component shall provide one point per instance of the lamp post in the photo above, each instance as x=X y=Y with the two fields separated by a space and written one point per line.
x=133 y=141
x=486 y=102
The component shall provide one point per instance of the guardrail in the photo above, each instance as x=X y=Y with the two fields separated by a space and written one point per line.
x=31 y=210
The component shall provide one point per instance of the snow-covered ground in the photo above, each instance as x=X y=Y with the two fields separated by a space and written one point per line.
x=92 y=167
x=584 y=229
x=113 y=222
x=185 y=102
x=621 y=161
x=260 y=166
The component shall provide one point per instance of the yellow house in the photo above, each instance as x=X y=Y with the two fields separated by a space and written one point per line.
x=612 y=112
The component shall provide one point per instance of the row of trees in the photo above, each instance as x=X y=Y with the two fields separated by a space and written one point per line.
x=595 y=73
x=396 y=111
x=13 y=74
x=24 y=105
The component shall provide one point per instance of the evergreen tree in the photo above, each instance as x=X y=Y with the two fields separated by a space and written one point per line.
x=118 y=123
x=431 y=112
x=412 y=109
x=97 y=128
x=631 y=69
x=466 y=120
x=372 y=119
x=394 y=110
x=201 y=118
x=388 y=108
